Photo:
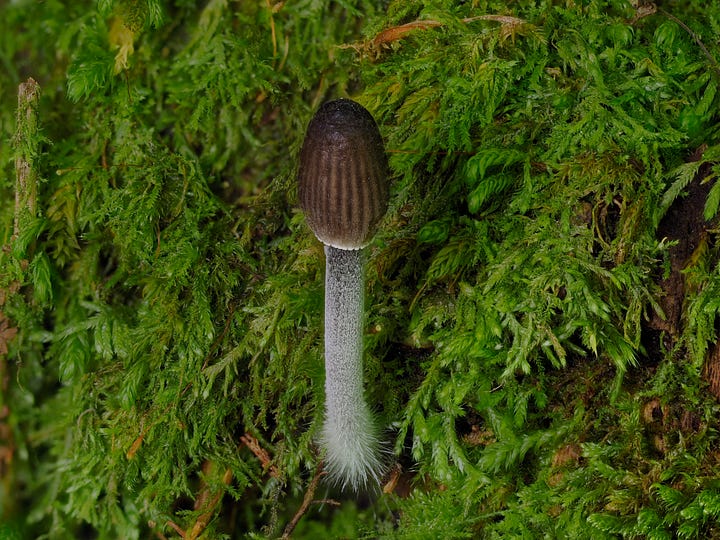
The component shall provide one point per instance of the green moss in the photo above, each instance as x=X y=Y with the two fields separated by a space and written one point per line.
x=168 y=295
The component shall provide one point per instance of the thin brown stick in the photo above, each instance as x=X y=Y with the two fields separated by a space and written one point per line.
x=330 y=502
x=26 y=149
x=265 y=460
x=307 y=501
x=397 y=32
x=695 y=37
x=176 y=528
x=209 y=503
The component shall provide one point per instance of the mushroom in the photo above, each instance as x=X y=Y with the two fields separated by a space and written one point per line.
x=343 y=191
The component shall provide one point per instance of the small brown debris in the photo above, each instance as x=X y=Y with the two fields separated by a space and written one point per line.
x=570 y=453
x=653 y=412
x=479 y=437
x=7 y=333
x=265 y=460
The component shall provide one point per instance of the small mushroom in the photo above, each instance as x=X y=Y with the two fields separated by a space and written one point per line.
x=343 y=190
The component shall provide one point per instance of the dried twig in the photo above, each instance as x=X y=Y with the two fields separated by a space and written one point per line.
x=176 y=528
x=696 y=38
x=645 y=9
x=26 y=149
x=509 y=27
x=265 y=460
x=207 y=502
x=307 y=501
x=330 y=502
x=396 y=32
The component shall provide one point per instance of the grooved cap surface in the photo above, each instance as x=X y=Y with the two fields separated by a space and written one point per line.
x=342 y=179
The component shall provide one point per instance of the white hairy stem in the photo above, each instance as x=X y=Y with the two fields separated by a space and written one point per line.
x=349 y=433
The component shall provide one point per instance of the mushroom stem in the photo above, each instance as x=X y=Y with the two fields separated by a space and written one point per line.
x=349 y=433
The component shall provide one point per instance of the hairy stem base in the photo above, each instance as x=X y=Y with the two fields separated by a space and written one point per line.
x=349 y=433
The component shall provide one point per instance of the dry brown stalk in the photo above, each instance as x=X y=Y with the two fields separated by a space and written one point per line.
x=307 y=501
x=208 y=502
x=26 y=143
x=265 y=460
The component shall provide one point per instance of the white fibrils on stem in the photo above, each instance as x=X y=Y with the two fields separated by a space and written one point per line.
x=343 y=190
x=349 y=434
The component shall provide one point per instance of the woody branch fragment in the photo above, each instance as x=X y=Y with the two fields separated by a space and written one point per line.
x=26 y=143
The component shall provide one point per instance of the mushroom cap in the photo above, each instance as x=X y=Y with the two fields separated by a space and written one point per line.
x=342 y=179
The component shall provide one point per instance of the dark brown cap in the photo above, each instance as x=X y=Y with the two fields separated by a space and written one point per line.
x=342 y=180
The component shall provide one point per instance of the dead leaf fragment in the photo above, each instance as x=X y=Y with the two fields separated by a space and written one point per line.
x=122 y=38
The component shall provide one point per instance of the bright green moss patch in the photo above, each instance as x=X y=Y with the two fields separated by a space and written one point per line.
x=542 y=294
